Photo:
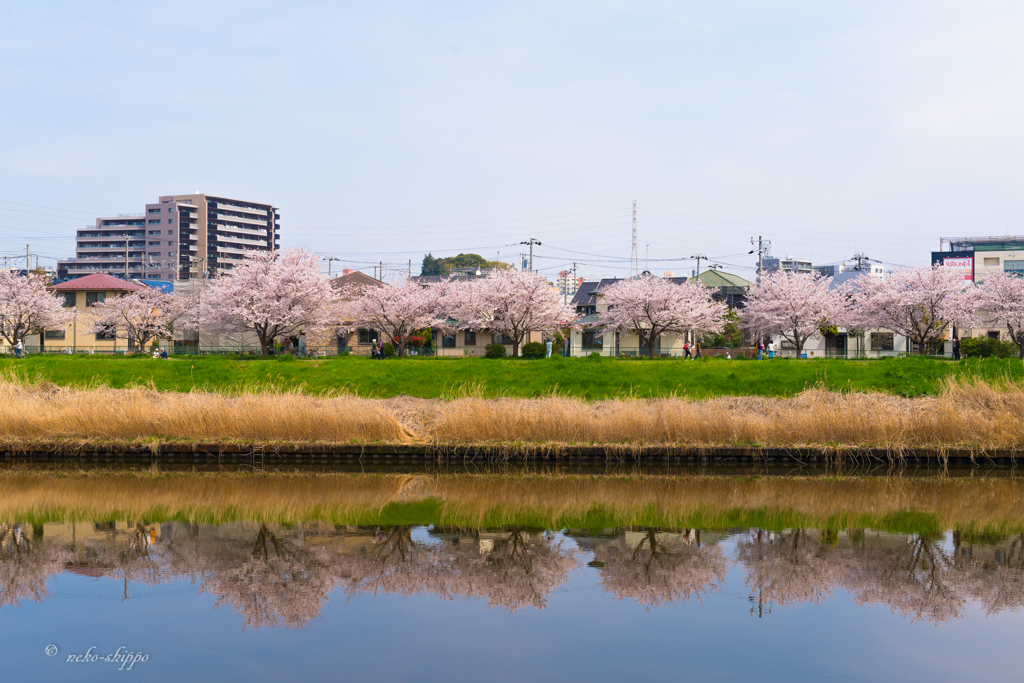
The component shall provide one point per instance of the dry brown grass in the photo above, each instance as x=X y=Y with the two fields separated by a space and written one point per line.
x=966 y=414
x=472 y=500
x=34 y=412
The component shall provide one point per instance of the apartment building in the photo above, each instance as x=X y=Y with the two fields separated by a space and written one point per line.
x=178 y=237
x=977 y=258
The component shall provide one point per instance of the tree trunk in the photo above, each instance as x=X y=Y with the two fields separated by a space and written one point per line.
x=650 y=346
x=798 y=343
x=515 y=347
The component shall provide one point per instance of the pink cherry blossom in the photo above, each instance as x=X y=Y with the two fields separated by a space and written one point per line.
x=1001 y=302
x=919 y=303
x=794 y=306
x=272 y=295
x=652 y=307
x=510 y=302
x=396 y=310
x=26 y=306
x=143 y=316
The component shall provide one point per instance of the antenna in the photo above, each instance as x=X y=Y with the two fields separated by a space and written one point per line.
x=634 y=257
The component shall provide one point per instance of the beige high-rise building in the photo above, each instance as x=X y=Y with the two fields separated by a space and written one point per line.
x=179 y=237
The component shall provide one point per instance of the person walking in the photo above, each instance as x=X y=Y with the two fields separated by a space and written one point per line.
x=956 y=349
x=760 y=349
x=547 y=347
x=18 y=349
x=697 y=349
x=375 y=351
x=686 y=351
x=771 y=349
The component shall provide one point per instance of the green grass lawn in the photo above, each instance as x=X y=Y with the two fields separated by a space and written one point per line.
x=432 y=378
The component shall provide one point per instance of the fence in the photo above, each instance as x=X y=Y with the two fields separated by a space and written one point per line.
x=444 y=352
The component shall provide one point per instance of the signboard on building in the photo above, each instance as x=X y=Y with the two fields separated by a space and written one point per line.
x=960 y=261
x=963 y=264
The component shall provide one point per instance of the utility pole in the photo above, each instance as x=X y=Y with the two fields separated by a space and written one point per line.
x=699 y=257
x=762 y=247
x=28 y=255
x=634 y=258
x=531 y=242
x=329 y=259
x=647 y=258
x=861 y=258
x=410 y=268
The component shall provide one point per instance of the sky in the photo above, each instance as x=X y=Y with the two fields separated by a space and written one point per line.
x=384 y=131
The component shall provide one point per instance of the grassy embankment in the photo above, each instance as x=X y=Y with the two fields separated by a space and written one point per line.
x=965 y=414
x=577 y=377
x=930 y=505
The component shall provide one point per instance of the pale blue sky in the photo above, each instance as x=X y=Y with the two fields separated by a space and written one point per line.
x=385 y=130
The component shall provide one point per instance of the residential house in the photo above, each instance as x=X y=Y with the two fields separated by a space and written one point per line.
x=82 y=293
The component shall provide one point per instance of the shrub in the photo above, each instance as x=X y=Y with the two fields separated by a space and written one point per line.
x=986 y=347
x=594 y=357
x=494 y=351
x=389 y=350
x=534 y=350
x=285 y=358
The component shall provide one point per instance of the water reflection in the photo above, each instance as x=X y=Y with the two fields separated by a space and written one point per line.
x=273 y=576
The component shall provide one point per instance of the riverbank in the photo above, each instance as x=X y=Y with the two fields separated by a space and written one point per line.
x=971 y=416
x=575 y=377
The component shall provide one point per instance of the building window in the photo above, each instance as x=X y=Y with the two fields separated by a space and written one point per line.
x=470 y=337
x=170 y=232
x=154 y=232
x=155 y=244
x=1015 y=267
x=170 y=220
x=69 y=299
x=53 y=334
x=593 y=340
x=499 y=338
x=993 y=334
x=155 y=254
x=108 y=335
x=448 y=341
x=92 y=298
x=991 y=261
x=882 y=341
x=367 y=336
x=154 y=210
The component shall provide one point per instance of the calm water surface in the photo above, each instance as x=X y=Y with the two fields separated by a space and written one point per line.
x=257 y=602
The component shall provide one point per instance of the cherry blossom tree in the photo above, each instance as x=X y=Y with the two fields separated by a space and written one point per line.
x=919 y=303
x=26 y=306
x=652 y=307
x=510 y=302
x=795 y=306
x=272 y=295
x=1001 y=301
x=396 y=310
x=143 y=316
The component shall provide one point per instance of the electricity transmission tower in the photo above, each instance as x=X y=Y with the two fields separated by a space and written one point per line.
x=634 y=258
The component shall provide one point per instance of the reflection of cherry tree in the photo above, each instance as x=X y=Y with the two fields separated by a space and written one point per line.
x=997 y=584
x=26 y=565
x=793 y=567
x=660 y=568
x=277 y=585
x=512 y=570
x=916 y=579
x=394 y=563
x=519 y=570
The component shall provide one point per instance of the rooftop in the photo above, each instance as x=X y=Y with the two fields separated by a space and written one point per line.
x=98 y=282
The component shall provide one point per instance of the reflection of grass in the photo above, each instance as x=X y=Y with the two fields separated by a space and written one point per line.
x=551 y=501
x=431 y=378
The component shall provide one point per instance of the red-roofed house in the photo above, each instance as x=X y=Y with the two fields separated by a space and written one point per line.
x=82 y=293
